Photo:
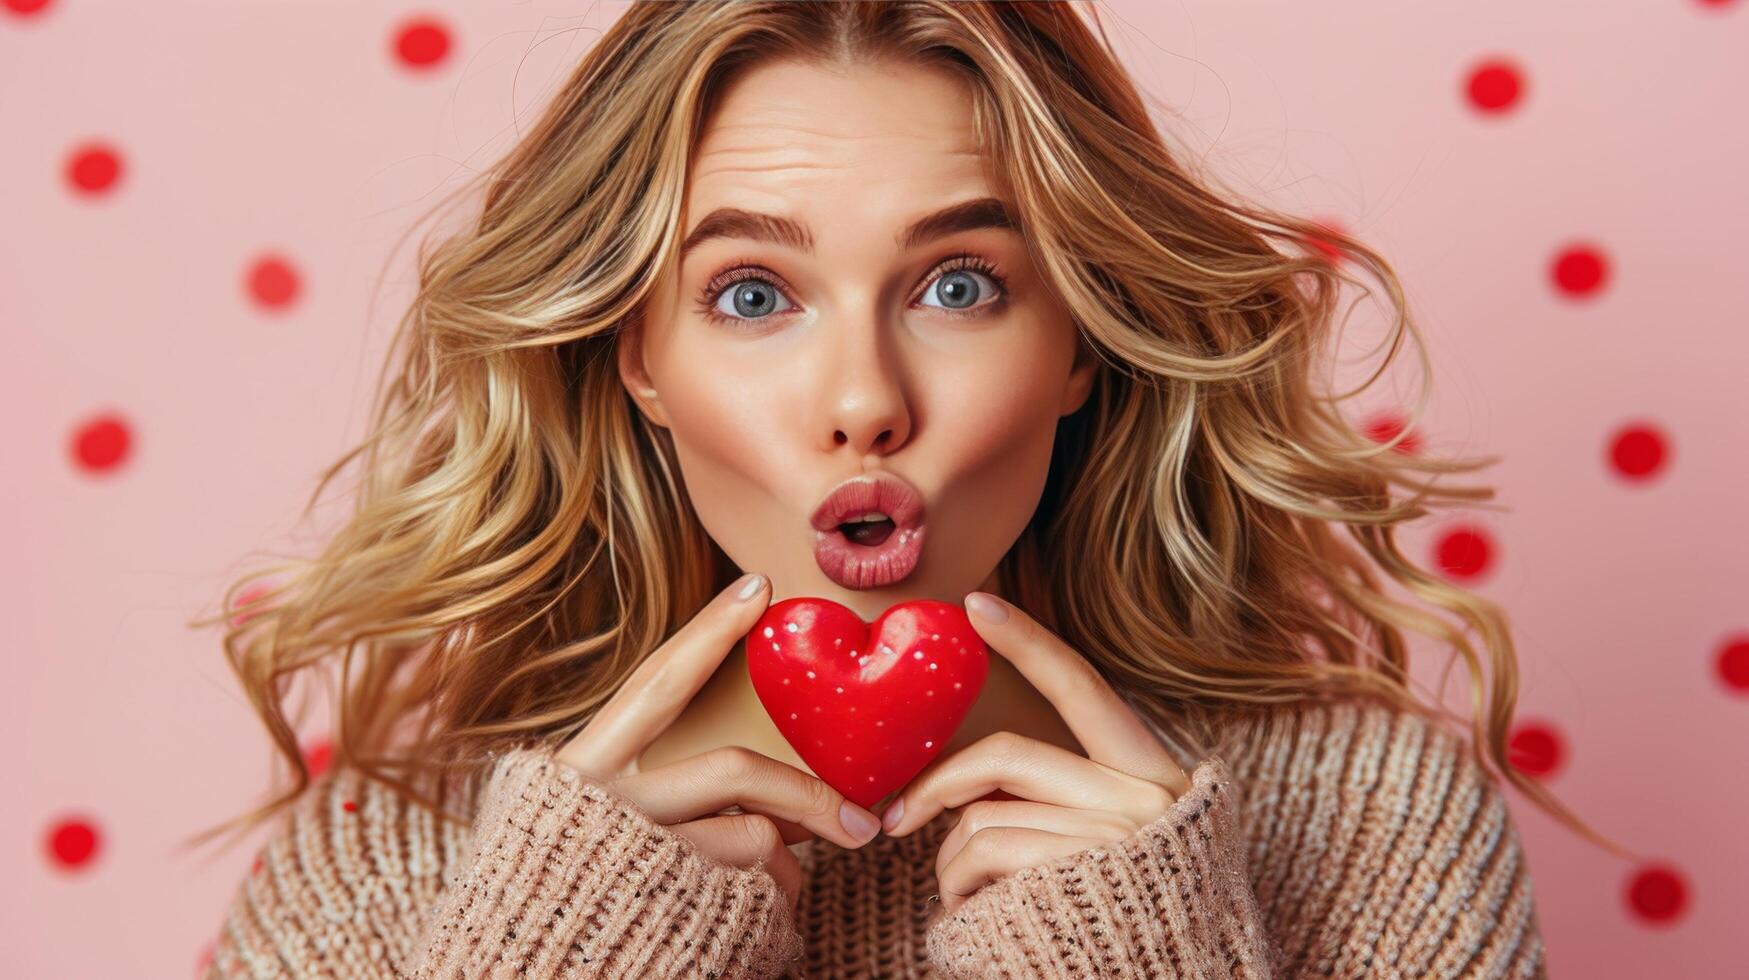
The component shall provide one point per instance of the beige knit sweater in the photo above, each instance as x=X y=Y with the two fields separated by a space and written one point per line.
x=1333 y=840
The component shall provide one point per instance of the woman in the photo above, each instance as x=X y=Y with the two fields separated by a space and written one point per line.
x=934 y=255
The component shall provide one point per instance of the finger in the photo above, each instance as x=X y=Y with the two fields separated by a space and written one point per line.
x=793 y=833
x=983 y=815
x=710 y=781
x=1101 y=720
x=653 y=696
x=1028 y=768
x=992 y=854
x=746 y=840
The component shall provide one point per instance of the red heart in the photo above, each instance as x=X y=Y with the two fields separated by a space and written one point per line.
x=866 y=707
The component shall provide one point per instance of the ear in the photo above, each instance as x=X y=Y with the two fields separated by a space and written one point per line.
x=1081 y=375
x=629 y=353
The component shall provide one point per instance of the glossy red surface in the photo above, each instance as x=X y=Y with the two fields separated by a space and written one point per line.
x=865 y=705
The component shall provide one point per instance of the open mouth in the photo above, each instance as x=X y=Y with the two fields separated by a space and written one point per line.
x=868 y=554
x=868 y=533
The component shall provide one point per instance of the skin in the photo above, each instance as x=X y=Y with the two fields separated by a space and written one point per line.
x=861 y=366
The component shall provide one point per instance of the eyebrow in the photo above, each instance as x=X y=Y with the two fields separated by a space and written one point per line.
x=983 y=212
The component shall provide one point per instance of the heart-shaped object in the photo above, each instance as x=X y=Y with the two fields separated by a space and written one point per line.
x=866 y=706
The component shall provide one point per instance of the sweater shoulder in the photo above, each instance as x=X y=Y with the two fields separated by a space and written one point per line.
x=359 y=879
x=360 y=830
x=1354 y=764
x=346 y=876
x=357 y=829
x=1369 y=819
x=1354 y=745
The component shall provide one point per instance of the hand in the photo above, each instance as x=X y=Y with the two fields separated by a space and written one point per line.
x=787 y=805
x=1066 y=803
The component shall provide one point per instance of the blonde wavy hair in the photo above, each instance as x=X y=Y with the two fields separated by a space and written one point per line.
x=519 y=542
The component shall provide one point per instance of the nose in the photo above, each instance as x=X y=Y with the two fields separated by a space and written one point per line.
x=864 y=389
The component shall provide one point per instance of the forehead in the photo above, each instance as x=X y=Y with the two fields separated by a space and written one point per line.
x=787 y=136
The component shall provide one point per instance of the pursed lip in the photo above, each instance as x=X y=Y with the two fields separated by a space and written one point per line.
x=885 y=492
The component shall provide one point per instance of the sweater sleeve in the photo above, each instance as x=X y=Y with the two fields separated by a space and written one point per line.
x=1175 y=899
x=560 y=878
x=1170 y=900
x=569 y=880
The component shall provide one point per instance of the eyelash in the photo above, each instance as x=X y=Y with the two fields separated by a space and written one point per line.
x=713 y=290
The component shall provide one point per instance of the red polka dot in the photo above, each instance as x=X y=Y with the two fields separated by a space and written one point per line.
x=349 y=806
x=1657 y=894
x=1331 y=250
x=1733 y=663
x=1495 y=85
x=1580 y=270
x=256 y=867
x=317 y=755
x=1716 y=4
x=93 y=169
x=73 y=843
x=273 y=282
x=25 y=7
x=240 y=613
x=102 y=443
x=1464 y=552
x=422 y=42
x=1384 y=426
x=1638 y=451
x=1536 y=749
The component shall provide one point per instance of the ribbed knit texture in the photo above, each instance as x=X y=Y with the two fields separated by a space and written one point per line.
x=1342 y=840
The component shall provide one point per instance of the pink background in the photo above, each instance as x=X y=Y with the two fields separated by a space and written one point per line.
x=167 y=407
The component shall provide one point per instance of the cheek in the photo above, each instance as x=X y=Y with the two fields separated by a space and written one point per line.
x=995 y=428
x=722 y=425
x=735 y=462
x=713 y=411
x=993 y=407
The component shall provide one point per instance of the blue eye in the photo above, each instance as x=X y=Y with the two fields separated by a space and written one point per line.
x=747 y=294
x=959 y=288
x=750 y=298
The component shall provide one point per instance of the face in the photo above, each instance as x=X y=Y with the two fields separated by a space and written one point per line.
x=781 y=370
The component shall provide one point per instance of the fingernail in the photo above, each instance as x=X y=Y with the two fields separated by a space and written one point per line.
x=754 y=581
x=987 y=607
x=895 y=813
x=859 y=822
